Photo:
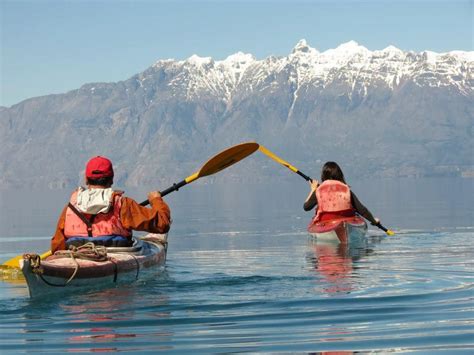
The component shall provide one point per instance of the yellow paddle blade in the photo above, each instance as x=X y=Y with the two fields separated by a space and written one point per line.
x=15 y=262
x=224 y=159
x=277 y=159
x=390 y=232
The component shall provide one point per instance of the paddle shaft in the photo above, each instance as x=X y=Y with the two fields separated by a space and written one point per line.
x=382 y=228
x=306 y=177
x=174 y=187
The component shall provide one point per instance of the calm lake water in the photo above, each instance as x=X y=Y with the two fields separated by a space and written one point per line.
x=242 y=275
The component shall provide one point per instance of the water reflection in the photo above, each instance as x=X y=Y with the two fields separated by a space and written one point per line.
x=12 y=275
x=337 y=263
x=105 y=314
x=100 y=321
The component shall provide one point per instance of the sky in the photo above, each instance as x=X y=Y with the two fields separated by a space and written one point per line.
x=52 y=47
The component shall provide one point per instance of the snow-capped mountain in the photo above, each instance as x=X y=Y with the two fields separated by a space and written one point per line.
x=350 y=62
x=386 y=112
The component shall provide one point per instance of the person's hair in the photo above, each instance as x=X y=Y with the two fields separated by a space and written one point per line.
x=332 y=171
x=103 y=181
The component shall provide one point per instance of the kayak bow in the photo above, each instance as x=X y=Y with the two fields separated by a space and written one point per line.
x=93 y=267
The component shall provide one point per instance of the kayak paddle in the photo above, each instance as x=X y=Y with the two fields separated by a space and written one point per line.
x=219 y=162
x=13 y=262
x=284 y=163
x=306 y=177
x=388 y=231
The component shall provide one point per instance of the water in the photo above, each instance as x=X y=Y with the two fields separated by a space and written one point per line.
x=243 y=276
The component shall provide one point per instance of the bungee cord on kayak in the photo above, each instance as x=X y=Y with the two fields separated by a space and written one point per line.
x=88 y=251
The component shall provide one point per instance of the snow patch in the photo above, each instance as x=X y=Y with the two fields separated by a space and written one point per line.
x=199 y=61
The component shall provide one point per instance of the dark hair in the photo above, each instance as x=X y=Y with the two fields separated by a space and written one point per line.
x=332 y=171
x=103 y=181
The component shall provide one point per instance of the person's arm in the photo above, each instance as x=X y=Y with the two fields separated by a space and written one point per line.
x=362 y=210
x=311 y=200
x=156 y=219
x=58 y=241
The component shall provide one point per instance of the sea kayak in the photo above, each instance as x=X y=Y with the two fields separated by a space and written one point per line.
x=92 y=266
x=346 y=230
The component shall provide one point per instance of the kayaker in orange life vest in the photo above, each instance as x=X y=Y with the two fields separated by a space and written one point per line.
x=106 y=217
x=333 y=197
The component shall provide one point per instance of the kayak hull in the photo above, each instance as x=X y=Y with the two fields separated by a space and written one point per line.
x=347 y=230
x=124 y=264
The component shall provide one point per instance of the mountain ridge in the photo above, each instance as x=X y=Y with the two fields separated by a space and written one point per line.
x=359 y=107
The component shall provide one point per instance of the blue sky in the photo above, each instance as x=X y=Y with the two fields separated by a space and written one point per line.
x=56 y=46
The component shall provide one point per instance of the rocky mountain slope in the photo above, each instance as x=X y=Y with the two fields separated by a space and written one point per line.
x=378 y=113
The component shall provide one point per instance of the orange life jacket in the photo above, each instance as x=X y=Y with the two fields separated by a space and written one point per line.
x=334 y=200
x=101 y=224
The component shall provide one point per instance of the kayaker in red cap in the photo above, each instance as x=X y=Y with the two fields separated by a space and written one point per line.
x=333 y=197
x=104 y=216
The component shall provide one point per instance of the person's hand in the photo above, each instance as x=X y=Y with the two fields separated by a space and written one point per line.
x=313 y=184
x=154 y=194
x=377 y=221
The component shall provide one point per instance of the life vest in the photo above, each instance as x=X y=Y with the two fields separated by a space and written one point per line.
x=101 y=224
x=334 y=200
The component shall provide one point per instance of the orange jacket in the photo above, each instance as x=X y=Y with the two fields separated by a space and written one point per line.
x=156 y=219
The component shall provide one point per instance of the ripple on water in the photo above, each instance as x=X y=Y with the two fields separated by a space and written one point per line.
x=406 y=292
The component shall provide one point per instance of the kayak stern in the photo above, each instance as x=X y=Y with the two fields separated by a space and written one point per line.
x=342 y=230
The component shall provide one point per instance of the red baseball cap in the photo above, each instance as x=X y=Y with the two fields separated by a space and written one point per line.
x=99 y=167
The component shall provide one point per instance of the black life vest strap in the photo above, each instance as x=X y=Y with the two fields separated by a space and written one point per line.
x=84 y=219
